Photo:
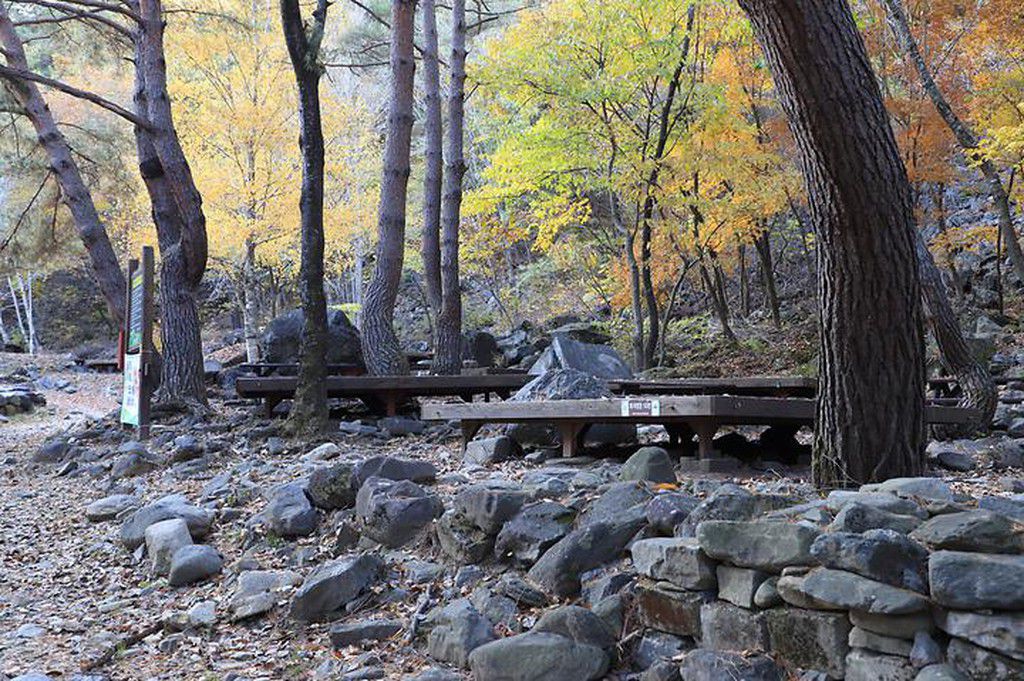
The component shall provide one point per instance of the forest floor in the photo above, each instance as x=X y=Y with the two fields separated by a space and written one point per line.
x=71 y=595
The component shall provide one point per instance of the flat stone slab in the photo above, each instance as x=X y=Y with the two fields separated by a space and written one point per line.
x=760 y=545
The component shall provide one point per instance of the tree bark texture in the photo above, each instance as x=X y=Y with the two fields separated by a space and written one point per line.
x=381 y=349
x=763 y=246
x=309 y=413
x=433 y=160
x=965 y=136
x=870 y=413
x=74 y=192
x=448 y=349
x=177 y=215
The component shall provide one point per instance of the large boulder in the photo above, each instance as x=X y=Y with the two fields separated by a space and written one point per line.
x=163 y=539
x=392 y=468
x=133 y=531
x=331 y=488
x=538 y=656
x=532 y=531
x=558 y=571
x=280 y=342
x=974 y=581
x=392 y=512
x=456 y=630
x=767 y=546
x=827 y=589
x=884 y=555
x=600 y=361
x=289 y=513
x=676 y=560
x=980 y=530
x=711 y=665
x=566 y=384
x=332 y=585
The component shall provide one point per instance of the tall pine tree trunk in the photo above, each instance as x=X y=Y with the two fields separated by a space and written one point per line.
x=433 y=161
x=309 y=414
x=76 y=196
x=965 y=136
x=448 y=349
x=177 y=214
x=870 y=413
x=381 y=349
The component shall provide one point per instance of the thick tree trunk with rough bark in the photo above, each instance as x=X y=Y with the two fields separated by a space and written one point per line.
x=430 y=247
x=177 y=215
x=74 y=192
x=448 y=349
x=381 y=349
x=309 y=414
x=965 y=136
x=870 y=414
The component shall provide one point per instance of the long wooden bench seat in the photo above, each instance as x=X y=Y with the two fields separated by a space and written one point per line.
x=683 y=417
x=385 y=393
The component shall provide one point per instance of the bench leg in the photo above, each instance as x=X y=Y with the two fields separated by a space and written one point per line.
x=469 y=431
x=269 y=404
x=705 y=439
x=680 y=435
x=570 y=433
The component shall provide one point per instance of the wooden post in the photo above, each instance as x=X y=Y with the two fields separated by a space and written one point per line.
x=139 y=368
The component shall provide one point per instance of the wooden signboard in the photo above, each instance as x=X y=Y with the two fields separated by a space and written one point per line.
x=138 y=344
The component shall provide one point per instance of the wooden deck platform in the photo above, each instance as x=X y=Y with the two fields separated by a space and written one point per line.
x=386 y=393
x=683 y=417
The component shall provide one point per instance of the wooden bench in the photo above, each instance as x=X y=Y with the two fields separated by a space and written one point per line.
x=385 y=393
x=752 y=386
x=683 y=417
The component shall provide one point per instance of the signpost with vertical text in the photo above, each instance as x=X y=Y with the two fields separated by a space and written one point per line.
x=138 y=344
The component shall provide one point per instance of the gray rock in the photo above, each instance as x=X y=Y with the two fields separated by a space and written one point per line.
x=666 y=511
x=1012 y=507
x=532 y=531
x=491 y=450
x=456 y=630
x=940 y=672
x=925 y=651
x=661 y=671
x=725 y=626
x=281 y=338
x=651 y=464
x=810 y=639
x=880 y=643
x=828 y=589
x=981 y=664
x=924 y=488
x=202 y=614
x=52 y=451
x=981 y=531
x=1001 y=632
x=882 y=501
x=665 y=608
x=393 y=468
x=966 y=580
x=566 y=384
x=163 y=539
x=186 y=448
x=856 y=517
x=768 y=546
x=110 y=507
x=331 y=488
x=577 y=624
x=537 y=657
x=656 y=646
x=710 y=665
x=134 y=464
x=767 y=595
x=465 y=543
x=393 y=512
x=398 y=426
x=558 y=570
x=259 y=590
x=676 y=560
x=731 y=502
x=954 y=461
x=898 y=626
x=883 y=555
x=289 y=513
x=194 y=563
x=739 y=585
x=520 y=591
x=618 y=501
x=33 y=676
x=332 y=585
x=592 y=359
x=863 y=665
x=172 y=506
x=489 y=507
x=354 y=633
